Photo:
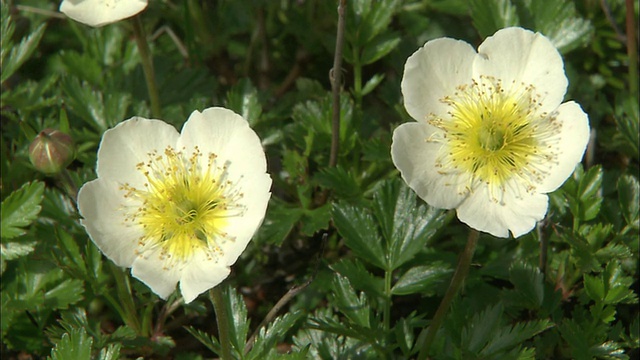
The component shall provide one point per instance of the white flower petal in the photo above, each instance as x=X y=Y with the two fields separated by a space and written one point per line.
x=101 y=12
x=415 y=158
x=156 y=272
x=517 y=214
x=574 y=136
x=228 y=135
x=429 y=76
x=200 y=275
x=100 y=204
x=242 y=228
x=128 y=144
x=521 y=56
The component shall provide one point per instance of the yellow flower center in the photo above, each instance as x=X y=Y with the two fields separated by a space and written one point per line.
x=184 y=205
x=494 y=136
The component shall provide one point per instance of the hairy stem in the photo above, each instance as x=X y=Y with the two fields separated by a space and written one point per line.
x=464 y=261
x=147 y=67
x=222 y=319
x=335 y=86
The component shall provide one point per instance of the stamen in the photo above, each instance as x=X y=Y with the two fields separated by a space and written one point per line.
x=496 y=135
x=184 y=205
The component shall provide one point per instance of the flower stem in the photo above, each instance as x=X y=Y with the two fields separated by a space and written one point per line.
x=222 y=318
x=147 y=67
x=125 y=297
x=336 y=82
x=386 y=315
x=632 y=49
x=464 y=261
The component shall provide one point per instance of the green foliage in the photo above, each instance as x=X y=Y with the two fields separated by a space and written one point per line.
x=377 y=258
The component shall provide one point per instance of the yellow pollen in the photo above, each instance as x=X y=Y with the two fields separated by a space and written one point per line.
x=495 y=135
x=184 y=206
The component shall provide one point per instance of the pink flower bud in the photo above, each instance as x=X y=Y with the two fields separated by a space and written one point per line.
x=51 y=151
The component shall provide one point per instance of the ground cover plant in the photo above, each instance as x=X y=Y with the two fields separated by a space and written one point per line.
x=319 y=179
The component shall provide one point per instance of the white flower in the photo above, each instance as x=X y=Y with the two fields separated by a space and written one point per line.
x=177 y=207
x=492 y=135
x=98 y=13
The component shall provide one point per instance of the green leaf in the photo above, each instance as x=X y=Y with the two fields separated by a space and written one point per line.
x=372 y=83
x=406 y=223
x=243 y=99
x=20 y=208
x=278 y=223
x=627 y=119
x=73 y=345
x=357 y=227
x=270 y=336
x=511 y=336
x=529 y=284
x=480 y=328
x=425 y=279
x=361 y=279
x=629 y=198
x=355 y=308
x=379 y=47
x=111 y=352
x=342 y=182
x=490 y=16
x=238 y=321
x=594 y=287
x=12 y=61
x=559 y=21
x=315 y=220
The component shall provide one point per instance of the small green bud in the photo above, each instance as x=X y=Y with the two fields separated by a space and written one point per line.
x=51 y=151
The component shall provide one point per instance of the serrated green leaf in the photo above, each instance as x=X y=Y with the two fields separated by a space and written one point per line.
x=422 y=279
x=628 y=121
x=529 y=284
x=480 y=328
x=243 y=99
x=379 y=47
x=278 y=223
x=238 y=321
x=74 y=345
x=594 y=287
x=62 y=295
x=559 y=21
x=273 y=334
x=13 y=250
x=372 y=83
x=111 y=352
x=315 y=220
x=406 y=224
x=491 y=15
x=83 y=66
x=359 y=276
x=360 y=233
x=20 y=208
x=205 y=339
x=511 y=336
x=354 y=307
x=342 y=182
x=20 y=53
x=629 y=198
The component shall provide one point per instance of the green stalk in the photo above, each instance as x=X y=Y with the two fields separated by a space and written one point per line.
x=147 y=67
x=464 y=262
x=632 y=49
x=387 y=303
x=222 y=318
x=125 y=296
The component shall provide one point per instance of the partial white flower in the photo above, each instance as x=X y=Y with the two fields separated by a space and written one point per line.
x=98 y=13
x=177 y=207
x=492 y=136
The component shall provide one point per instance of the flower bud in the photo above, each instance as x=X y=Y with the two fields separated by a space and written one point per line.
x=51 y=151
